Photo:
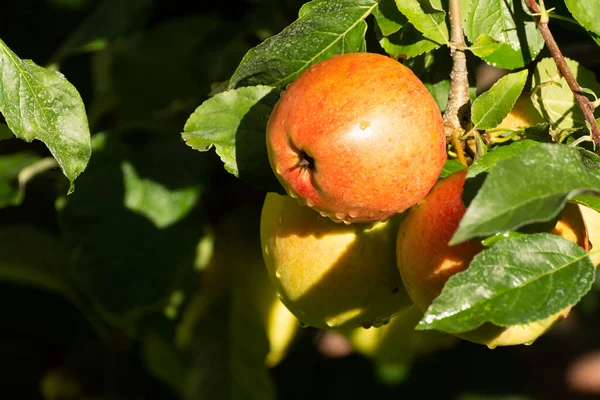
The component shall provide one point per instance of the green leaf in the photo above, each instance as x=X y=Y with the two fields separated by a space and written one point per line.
x=134 y=246
x=484 y=45
x=427 y=16
x=499 y=153
x=553 y=98
x=408 y=42
x=11 y=165
x=156 y=201
x=595 y=37
x=517 y=281
x=389 y=19
x=324 y=28
x=41 y=104
x=533 y=186
x=450 y=167
x=506 y=57
x=507 y=23
x=397 y=36
x=491 y=107
x=111 y=20
x=234 y=122
x=589 y=201
x=586 y=13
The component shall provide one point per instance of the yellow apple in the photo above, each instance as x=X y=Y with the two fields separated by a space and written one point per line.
x=357 y=137
x=426 y=262
x=592 y=223
x=328 y=274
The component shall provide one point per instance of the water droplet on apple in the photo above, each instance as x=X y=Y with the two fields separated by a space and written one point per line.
x=267 y=250
x=492 y=346
x=302 y=324
x=292 y=194
x=310 y=203
x=278 y=170
x=353 y=213
x=278 y=274
x=364 y=125
x=366 y=325
x=323 y=213
x=528 y=343
x=340 y=216
x=346 y=222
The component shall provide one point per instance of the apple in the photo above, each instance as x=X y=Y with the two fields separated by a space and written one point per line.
x=331 y=275
x=425 y=260
x=591 y=218
x=357 y=137
x=398 y=342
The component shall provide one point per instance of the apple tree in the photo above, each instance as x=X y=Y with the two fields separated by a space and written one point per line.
x=282 y=199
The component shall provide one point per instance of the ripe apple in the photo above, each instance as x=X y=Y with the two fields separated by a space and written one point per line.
x=357 y=137
x=331 y=275
x=398 y=342
x=425 y=260
x=592 y=223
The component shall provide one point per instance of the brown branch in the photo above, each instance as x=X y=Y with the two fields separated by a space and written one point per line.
x=586 y=106
x=457 y=114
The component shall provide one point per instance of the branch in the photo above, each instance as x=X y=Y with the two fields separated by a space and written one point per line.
x=457 y=114
x=586 y=106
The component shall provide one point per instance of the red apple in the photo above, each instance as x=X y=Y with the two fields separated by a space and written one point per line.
x=357 y=137
x=426 y=262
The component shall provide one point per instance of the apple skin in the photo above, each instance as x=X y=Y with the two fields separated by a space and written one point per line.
x=426 y=262
x=591 y=218
x=357 y=137
x=331 y=275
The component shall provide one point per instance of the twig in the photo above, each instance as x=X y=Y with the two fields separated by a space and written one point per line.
x=586 y=106
x=457 y=113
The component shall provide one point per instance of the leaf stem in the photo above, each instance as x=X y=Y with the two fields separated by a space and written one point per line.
x=457 y=114
x=586 y=106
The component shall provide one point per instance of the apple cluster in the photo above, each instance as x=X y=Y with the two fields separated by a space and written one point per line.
x=358 y=143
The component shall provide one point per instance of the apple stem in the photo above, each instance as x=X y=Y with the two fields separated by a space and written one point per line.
x=457 y=116
x=541 y=15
